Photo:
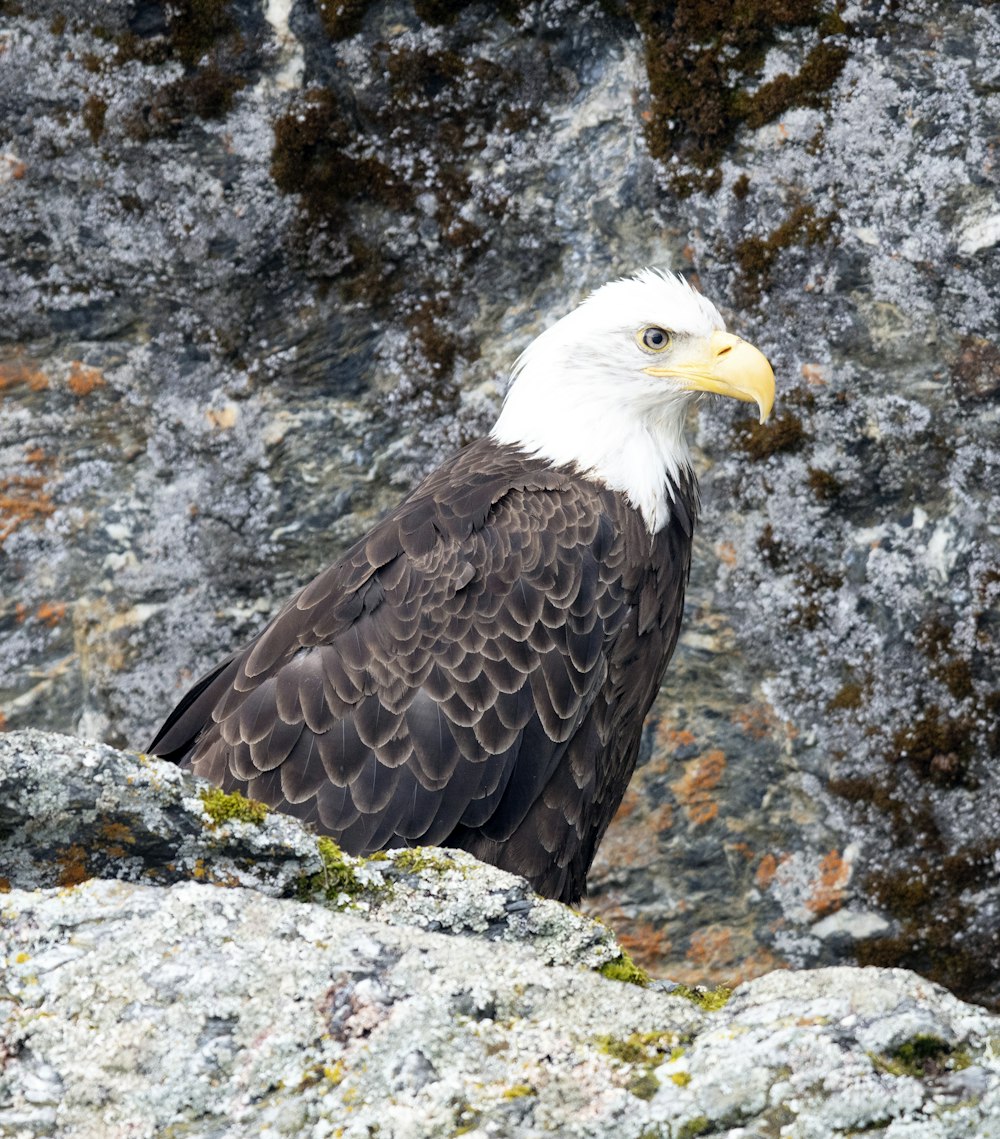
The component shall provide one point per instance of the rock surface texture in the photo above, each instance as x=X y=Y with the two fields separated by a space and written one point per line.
x=174 y=963
x=261 y=264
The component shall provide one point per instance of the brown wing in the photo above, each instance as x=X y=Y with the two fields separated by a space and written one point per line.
x=451 y=681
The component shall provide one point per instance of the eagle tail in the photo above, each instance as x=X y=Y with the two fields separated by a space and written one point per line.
x=176 y=739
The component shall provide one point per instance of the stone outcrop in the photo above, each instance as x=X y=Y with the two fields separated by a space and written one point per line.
x=262 y=263
x=177 y=962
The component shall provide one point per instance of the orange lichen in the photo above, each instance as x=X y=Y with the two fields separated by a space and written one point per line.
x=758 y=721
x=813 y=375
x=72 y=865
x=828 y=893
x=766 y=871
x=671 y=739
x=82 y=380
x=22 y=499
x=51 y=612
x=644 y=943
x=15 y=373
x=693 y=788
x=711 y=947
x=726 y=553
x=628 y=804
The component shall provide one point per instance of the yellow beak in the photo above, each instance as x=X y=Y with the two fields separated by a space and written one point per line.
x=727 y=366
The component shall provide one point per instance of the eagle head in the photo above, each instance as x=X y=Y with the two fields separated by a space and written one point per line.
x=606 y=389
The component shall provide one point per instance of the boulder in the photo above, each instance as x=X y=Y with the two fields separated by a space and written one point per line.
x=173 y=961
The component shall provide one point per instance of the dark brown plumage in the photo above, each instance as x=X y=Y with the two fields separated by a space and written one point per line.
x=474 y=673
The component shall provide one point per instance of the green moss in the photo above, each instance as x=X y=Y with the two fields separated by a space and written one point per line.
x=337 y=877
x=694 y=1127
x=415 y=859
x=645 y=1051
x=644 y=1086
x=710 y=1000
x=923 y=1056
x=640 y=1047
x=623 y=968
x=225 y=807
x=519 y=1091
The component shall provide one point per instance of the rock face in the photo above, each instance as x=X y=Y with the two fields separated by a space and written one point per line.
x=203 y=968
x=263 y=263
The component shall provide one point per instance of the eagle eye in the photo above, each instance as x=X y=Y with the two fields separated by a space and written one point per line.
x=654 y=339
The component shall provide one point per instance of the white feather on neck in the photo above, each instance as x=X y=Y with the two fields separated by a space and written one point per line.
x=579 y=395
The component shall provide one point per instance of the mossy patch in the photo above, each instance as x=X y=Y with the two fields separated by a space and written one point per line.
x=640 y=1047
x=401 y=155
x=94 y=111
x=781 y=435
x=702 y=57
x=709 y=1000
x=644 y=1051
x=922 y=1057
x=204 y=37
x=623 y=968
x=224 y=807
x=848 y=698
x=757 y=257
x=700 y=1125
x=825 y=486
x=922 y=890
x=415 y=860
x=337 y=877
x=519 y=1091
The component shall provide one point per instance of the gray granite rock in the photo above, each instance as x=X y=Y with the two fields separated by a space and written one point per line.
x=172 y=962
x=258 y=271
x=71 y=811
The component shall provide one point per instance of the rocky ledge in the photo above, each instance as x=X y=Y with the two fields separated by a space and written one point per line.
x=177 y=961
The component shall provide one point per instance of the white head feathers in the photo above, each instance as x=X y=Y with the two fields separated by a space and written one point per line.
x=581 y=395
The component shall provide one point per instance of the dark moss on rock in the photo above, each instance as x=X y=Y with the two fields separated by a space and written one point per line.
x=94 y=110
x=759 y=441
x=702 y=57
x=757 y=257
x=824 y=485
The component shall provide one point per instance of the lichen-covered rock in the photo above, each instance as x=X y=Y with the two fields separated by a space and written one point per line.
x=262 y=263
x=71 y=811
x=130 y=1009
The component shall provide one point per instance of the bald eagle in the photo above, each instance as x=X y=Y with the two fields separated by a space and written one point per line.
x=474 y=673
